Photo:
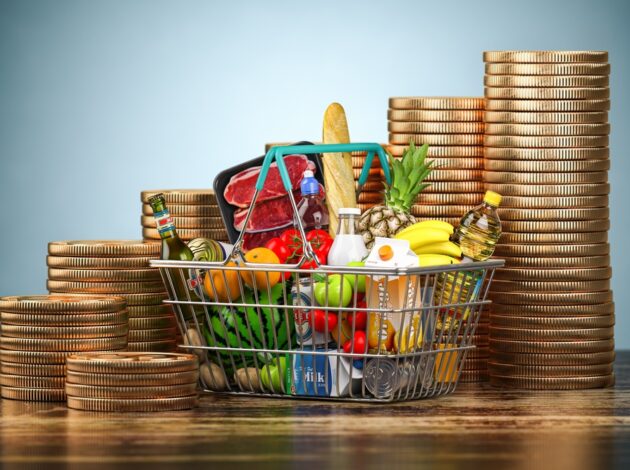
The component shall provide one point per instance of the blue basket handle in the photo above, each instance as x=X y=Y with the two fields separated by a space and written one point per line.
x=278 y=153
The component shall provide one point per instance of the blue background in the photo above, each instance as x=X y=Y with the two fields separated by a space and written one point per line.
x=102 y=99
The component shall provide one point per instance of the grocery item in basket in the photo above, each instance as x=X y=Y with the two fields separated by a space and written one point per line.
x=305 y=332
x=204 y=249
x=322 y=374
x=348 y=245
x=383 y=377
x=268 y=215
x=311 y=210
x=480 y=229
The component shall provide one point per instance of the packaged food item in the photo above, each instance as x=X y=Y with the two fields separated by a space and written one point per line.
x=305 y=333
x=312 y=209
x=480 y=229
x=446 y=363
x=348 y=245
x=383 y=377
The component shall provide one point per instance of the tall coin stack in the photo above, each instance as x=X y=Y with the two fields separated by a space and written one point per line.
x=372 y=191
x=118 y=267
x=454 y=129
x=546 y=152
x=39 y=332
x=132 y=381
x=195 y=214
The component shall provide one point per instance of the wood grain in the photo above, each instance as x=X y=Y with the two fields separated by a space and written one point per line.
x=477 y=425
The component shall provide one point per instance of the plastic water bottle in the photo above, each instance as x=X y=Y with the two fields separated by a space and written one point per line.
x=479 y=230
x=312 y=209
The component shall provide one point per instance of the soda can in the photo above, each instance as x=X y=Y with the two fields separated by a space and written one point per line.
x=302 y=296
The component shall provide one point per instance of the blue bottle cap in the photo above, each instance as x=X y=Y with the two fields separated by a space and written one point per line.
x=309 y=184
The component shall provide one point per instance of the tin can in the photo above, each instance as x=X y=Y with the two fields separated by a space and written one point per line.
x=302 y=296
x=384 y=377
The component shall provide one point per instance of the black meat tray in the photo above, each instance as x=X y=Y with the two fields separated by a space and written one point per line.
x=223 y=178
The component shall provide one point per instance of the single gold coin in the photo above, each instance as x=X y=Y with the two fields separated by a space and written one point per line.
x=65 y=332
x=478 y=353
x=187 y=210
x=153 y=346
x=369 y=197
x=43 y=358
x=512 y=153
x=577 y=309
x=557 y=262
x=375 y=173
x=132 y=363
x=529 y=57
x=65 y=345
x=132 y=379
x=545 y=141
x=450 y=220
x=189 y=234
x=548 y=190
x=554 y=383
x=428 y=115
x=145 y=300
x=95 y=391
x=547 y=166
x=551 y=226
x=546 y=178
x=439 y=211
x=553 y=323
x=359 y=162
x=450 y=199
x=587 y=249
x=159 y=310
x=75 y=262
x=584 y=213
x=436 y=139
x=151 y=335
x=546 y=347
x=550 y=274
x=435 y=151
x=106 y=287
x=152 y=323
x=436 y=127
x=472 y=376
x=518 y=370
x=26 y=381
x=525 y=93
x=181 y=196
x=560 y=237
x=584 y=68
x=546 y=81
x=455 y=163
x=523 y=334
x=547 y=106
x=499 y=285
x=33 y=370
x=550 y=298
x=455 y=175
x=61 y=304
x=475 y=364
x=554 y=359
x=132 y=405
x=372 y=186
x=542 y=202
x=545 y=118
x=104 y=275
x=33 y=394
x=436 y=102
x=104 y=248
x=187 y=222
x=454 y=187
x=547 y=129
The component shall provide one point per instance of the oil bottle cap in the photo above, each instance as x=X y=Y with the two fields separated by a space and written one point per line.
x=492 y=198
x=309 y=184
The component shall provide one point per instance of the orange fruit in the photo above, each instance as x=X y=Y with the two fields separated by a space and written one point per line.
x=261 y=280
x=222 y=285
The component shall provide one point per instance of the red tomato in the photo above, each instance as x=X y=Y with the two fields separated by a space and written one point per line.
x=279 y=248
x=312 y=265
x=358 y=344
x=318 y=237
x=320 y=318
x=292 y=239
x=360 y=320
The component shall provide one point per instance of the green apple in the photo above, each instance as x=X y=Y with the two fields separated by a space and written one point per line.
x=337 y=296
x=272 y=374
x=358 y=282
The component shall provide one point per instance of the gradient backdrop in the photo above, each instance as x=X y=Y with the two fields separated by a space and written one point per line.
x=102 y=99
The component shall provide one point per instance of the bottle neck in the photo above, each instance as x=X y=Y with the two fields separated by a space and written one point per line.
x=346 y=225
x=164 y=223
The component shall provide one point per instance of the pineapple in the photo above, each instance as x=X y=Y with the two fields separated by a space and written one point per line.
x=407 y=177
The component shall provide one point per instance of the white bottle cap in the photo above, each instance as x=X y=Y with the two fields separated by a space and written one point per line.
x=349 y=211
x=308 y=173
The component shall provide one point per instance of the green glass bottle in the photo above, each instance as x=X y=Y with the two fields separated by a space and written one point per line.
x=184 y=282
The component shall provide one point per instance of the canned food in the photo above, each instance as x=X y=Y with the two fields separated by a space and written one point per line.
x=305 y=334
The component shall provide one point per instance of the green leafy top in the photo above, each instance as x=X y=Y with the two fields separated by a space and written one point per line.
x=407 y=175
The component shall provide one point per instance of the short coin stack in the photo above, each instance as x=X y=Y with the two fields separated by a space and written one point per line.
x=546 y=152
x=39 y=332
x=453 y=128
x=195 y=213
x=132 y=381
x=118 y=267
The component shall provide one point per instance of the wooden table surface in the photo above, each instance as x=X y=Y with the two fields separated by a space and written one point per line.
x=477 y=426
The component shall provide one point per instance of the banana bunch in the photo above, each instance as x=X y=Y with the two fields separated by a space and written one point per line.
x=430 y=240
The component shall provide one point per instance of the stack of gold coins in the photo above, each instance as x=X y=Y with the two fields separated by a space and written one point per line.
x=39 y=332
x=453 y=128
x=132 y=381
x=118 y=267
x=546 y=152
x=195 y=213
x=372 y=191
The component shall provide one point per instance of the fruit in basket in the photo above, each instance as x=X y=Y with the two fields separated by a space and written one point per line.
x=272 y=374
x=357 y=281
x=343 y=331
x=381 y=332
x=428 y=224
x=443 y=248
x=324 y=321
x=261 y=280
x=222 y=284
x=411 y=337
x=407 y=176
x=212 y=377
x=248 y=379
x=356 y=345
x=426 y=261
x=335 y=291
x=423 y=236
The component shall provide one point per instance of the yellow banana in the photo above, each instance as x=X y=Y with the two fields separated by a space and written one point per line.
x=423 y=236
x=435 y=260
x=442 y=248
x=432 y=224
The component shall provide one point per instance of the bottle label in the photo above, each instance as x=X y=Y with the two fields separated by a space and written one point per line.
x=164 y=222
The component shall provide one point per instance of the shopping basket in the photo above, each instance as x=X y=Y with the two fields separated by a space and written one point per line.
x=254 y=325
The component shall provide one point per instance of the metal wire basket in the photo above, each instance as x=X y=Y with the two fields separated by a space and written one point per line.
x=258 y=328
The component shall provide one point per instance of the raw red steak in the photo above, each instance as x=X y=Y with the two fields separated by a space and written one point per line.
x=240 y=190
x=254 y=240
x=267 y=215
